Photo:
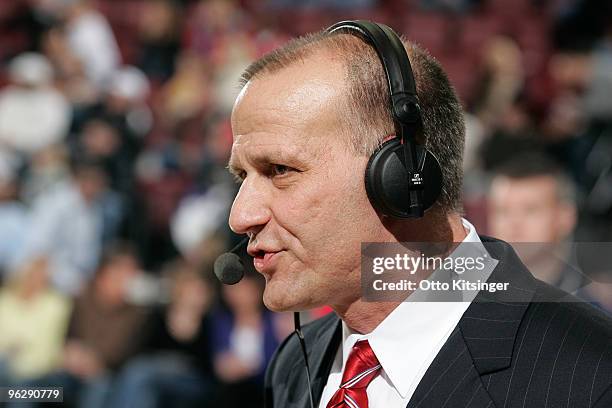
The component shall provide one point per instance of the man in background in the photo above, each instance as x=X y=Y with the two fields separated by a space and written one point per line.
x=532 y=203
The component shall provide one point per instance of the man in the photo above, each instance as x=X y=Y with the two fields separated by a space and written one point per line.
x=532 y=202
x=305 y=123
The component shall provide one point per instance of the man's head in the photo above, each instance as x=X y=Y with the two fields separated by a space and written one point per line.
x=309 y=116
x=531 y=200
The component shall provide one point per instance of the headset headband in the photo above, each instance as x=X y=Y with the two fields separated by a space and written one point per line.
x=396 y=64
x=404 y=102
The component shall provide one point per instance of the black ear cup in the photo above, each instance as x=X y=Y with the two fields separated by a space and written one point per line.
x=387 y=186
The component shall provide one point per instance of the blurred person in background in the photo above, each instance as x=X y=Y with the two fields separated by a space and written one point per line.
x=210 y=22
x=71 y=77
x=13 y=215
x=565 y=119
x=90 y=38
x=175 y=367
x=188 y=92
x=158 y=39
x=532 y=203
x=33 y=115
x=245 y=338
x=46 y=170
x=123 y=112
x=33 y=322
x=230 y=57
x=69 y=223
x=122 y=102
x=196 y=223
x=104 y=332
x=100 y=140
x=500 y=117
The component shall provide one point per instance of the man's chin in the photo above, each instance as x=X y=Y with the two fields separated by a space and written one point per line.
x=284 y=301
x=281 y=303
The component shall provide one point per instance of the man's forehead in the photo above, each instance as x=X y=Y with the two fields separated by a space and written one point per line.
x=296 y=92
x=259 y=147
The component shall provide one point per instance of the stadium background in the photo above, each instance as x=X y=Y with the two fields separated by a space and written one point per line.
x=114 y=137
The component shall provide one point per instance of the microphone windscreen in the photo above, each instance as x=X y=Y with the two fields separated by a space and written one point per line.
x=229 y=268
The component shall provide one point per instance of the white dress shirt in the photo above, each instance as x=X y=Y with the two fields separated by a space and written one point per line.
x=405 y=343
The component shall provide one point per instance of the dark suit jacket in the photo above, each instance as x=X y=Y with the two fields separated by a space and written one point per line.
x=501 y=354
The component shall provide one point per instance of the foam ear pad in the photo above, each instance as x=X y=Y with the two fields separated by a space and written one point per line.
x=387 y=186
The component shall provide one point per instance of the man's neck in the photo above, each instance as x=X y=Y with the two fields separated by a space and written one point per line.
x=363 y=317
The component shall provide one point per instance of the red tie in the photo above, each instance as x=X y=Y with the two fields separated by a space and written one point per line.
x=361 y=368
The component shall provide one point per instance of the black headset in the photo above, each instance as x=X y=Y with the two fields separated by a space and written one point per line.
x=402 y=179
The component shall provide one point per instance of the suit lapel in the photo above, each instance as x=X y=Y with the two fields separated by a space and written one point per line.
x=490 y=324
x=451 y=380
x=483 y=340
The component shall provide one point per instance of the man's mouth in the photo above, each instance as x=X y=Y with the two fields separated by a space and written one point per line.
x=264 y=261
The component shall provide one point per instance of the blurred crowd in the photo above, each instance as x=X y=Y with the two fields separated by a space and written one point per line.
x=114 y=137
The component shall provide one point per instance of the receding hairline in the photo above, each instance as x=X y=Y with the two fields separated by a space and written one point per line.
x=310 y=45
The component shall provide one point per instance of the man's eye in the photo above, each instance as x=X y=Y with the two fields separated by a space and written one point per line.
x=280 y=169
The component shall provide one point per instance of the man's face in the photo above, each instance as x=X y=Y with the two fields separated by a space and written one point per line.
x=528 y=210
x=303 y=200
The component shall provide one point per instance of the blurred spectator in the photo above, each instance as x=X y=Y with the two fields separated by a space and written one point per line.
x=159 y=42
x=126 y=103
x=571 y=73
x=33 y=115
x=46 y=171
x=104 y=332
x=29 y=307
x=70 y=223
x=502 y=79
x=532 y=203
x=187 y=93
x=514 y=134
x=112 y=131
x=176 y=365
x=71 y=78
x=123 y=103
x=150 y=144
x=210 y=21
x=230 y=57
x=91 y=39
x=499 y=116
x=244 y=339
x=13 y=215
x=198 y=218
x=101 y=140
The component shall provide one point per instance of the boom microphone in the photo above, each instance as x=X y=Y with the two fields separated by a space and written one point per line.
x=228 y=267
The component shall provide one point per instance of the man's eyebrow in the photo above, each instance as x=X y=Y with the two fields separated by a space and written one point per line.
x=267 y=156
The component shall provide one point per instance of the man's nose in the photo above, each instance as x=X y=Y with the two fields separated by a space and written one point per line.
x=250 y=211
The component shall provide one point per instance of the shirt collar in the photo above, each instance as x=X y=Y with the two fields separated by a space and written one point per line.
x=404 y=341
